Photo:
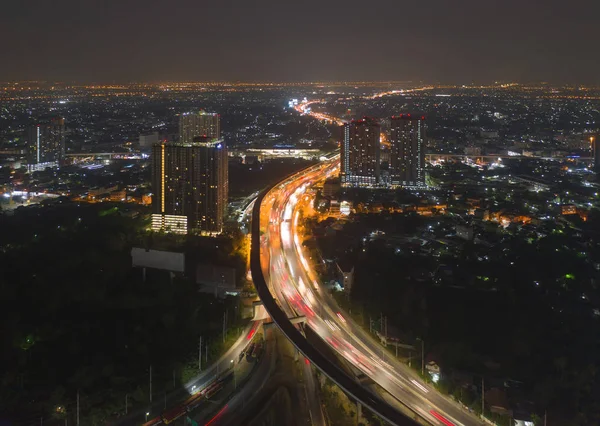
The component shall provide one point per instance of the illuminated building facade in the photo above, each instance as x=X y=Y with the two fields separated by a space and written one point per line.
x=198 y=124
x=46 y=142
x=407 y=150
x=360 y=153
x=190 y=184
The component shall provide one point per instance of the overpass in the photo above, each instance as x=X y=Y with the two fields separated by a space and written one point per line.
x=280 y=318
x=492 y=157
x=74 y=157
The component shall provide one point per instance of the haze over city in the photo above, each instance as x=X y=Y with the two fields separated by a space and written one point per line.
x=437 y=41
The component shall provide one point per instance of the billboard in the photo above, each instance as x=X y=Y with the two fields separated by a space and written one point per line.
x=157 y=259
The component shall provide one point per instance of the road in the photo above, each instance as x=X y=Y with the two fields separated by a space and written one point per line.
x=250 y=375
x=224 y=362
x=199 y=382
x=272 y=387
x=312 y=394
x=294 y=284
x=266 y=240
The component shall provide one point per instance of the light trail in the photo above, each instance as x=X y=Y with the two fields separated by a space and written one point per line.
x=290 y=272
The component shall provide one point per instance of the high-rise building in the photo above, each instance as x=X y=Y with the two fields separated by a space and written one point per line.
x=360 y=152
x=407 y=150
x=46 y=142
x=190 y=185
x=198 y=124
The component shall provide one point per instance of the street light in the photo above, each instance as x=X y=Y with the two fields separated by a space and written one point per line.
x=422 y=355
x=147 y=414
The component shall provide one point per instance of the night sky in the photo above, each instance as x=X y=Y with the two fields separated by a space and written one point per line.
x=447 y=41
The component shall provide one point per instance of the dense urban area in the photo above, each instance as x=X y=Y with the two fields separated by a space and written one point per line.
x=457 y=227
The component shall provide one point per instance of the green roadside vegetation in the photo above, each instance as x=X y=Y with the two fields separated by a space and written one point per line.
x=77 y=318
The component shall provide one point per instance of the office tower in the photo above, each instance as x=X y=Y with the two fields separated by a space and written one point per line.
x=407 y=150
x=198 y=124
x=360 y=153
x=46 y=142
x=190 y=186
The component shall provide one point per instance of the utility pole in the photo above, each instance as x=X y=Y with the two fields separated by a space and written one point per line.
x=165 y=400
x=78 y=408
x=206 y=353
x=150 y=383
x=370 y=325
x=126 y=395
x=200 y=355
x=422 y=355
x=386 y=329
x=482 y=397
x=545 y=416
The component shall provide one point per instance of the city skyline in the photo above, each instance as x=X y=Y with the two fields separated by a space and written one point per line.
x=443 y=42
x=509 y=209
x=300 y=213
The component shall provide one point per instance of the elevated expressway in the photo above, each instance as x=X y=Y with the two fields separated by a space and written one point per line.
x=288 y=287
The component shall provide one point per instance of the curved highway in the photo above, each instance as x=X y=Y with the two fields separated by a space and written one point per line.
x=280 y=269
x=270 y=240
x=300 y=286
x=277 y=252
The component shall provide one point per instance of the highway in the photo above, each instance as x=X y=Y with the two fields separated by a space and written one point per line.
x=266 y=240
x=196 y=384
x=297 y=291
x=224 y=362
x=277 y=374
x=250 y=376
x=353 y=343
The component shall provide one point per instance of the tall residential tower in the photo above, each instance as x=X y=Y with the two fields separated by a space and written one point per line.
x=407 y=150
x=198 y=124
x=360 y=152
x=190 y=178
x=190 y=186
x=46 y=142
